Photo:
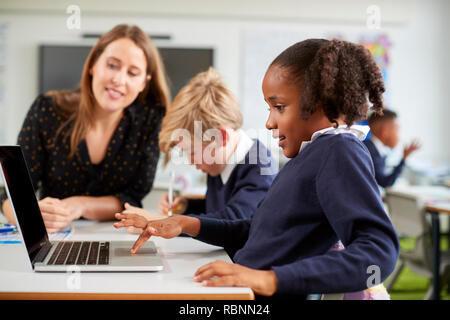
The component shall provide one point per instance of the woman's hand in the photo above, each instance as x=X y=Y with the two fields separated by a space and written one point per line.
x=57 y=213
x=179 y=205
x=142 y=212
x=224 y=274
x=166 y=228
x=74 y=206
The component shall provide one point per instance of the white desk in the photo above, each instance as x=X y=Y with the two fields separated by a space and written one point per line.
x=182 y=256
x=426 y=192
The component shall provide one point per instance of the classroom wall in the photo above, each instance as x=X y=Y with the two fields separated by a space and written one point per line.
x=420 y=68
x=237 y=30
x=446 y=71
x=328 y=11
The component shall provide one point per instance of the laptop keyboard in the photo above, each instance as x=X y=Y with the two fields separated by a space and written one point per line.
x=80 y=253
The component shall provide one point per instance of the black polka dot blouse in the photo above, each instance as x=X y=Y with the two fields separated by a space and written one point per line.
x=127 y=170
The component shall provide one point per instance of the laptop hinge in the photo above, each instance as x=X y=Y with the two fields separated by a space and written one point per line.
x=40 y=257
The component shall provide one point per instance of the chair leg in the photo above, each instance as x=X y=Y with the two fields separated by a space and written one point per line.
x=445 y=277
x=393 y=278
x=448 y=286
x=429 y=294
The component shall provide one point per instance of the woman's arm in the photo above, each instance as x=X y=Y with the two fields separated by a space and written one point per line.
x=58 y=213
x=93 y=208
x=30 y=138
x=7 y=212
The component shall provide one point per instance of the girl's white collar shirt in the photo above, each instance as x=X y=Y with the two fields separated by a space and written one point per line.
x=360 y=131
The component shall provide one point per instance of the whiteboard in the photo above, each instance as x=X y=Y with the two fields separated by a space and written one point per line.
x=261 y=46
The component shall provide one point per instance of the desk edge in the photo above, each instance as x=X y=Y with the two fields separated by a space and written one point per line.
x=121 y=296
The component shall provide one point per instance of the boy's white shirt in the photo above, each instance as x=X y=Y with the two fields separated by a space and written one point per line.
x=359 y=131
x=244 y=145
x=382 y=149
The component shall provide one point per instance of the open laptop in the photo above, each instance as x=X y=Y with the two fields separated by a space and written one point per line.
x=62 y=256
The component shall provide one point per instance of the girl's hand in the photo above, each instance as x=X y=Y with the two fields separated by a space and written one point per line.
x=130 y=220
x=179 y=205
x=142 y=212
x=226 y=274
x=166 y=228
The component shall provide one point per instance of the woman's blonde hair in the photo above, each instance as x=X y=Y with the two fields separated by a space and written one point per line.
x=204 y=98
x=79 y=104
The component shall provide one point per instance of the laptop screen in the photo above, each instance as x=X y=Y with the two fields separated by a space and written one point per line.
x=23 y=198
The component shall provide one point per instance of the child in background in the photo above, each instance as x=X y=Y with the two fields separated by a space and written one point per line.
x=316 y=89
x=240 y=170
x=384 y=135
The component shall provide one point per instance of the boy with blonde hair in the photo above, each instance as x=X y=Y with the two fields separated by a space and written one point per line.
x=204 y=121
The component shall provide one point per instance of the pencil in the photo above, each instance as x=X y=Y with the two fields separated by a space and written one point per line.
x=172 y=178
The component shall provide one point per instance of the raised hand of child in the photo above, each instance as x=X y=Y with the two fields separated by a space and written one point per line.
x=410 y=148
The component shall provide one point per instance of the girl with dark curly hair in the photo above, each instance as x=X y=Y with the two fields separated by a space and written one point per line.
x=326 y=195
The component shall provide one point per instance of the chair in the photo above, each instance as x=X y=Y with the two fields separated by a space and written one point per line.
x=374 y=293
x=328 y=296
x=408 y=215
x=377 y=292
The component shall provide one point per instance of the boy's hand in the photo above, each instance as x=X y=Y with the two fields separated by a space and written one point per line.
x=262 y=282
x=179 y=205
x=410 y=148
